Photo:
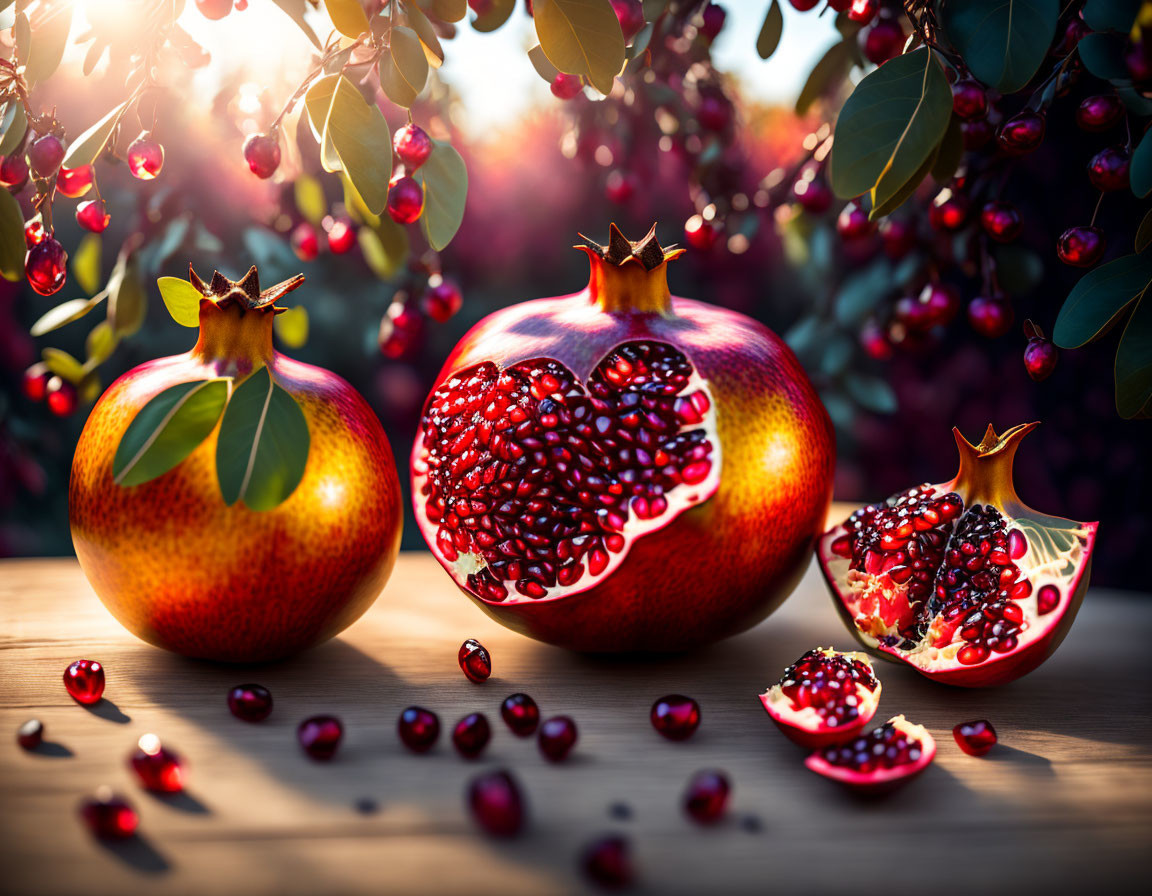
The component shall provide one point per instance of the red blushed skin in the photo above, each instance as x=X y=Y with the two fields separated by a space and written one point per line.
x=182 y=570
x=723 y=565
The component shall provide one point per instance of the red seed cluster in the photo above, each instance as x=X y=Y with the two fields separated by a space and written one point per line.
x=883 y=748
x=827 y=684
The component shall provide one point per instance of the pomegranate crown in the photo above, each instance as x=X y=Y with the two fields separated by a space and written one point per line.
x=245 y=292
x=620 y=250
x=985 y=474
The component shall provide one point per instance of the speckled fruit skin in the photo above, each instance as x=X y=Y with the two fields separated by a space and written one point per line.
x=719 y=567
x=182 y=570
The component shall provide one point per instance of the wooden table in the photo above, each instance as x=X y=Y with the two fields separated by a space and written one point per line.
x=1064 y=804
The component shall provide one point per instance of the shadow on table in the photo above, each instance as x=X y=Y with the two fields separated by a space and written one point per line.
x=138 y=853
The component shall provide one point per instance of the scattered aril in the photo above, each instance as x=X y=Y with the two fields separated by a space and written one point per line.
x=863 y=11
x=1099 y=113
x=1109 y=169
x=262 y=153
x=474 y=661
x=418 y=729
x=145 y=157
x=706 y=798
x=31 y=734
x=557 y=738
x=109 y=816
x=320 y=736
x=1081 y=247
x=45 y=155
x=412 y=146
x=824 y=697
x=61 y=396
x=607 y=862
x=46 y=266
x=84 y=681
x=975 y=738
x=471 y=735
x=496 y=804
x=675 y=716
x=158 y=768
x=405 y=199
x=521 y=714
x=250 y=702
x=875 y=762
x=91 y=215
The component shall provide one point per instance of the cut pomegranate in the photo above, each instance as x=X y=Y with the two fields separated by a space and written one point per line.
x=495 y=802
x=471 y=735
x=706 y=798
x=320 y=736
x=557 y=738
x=158 y=768
x=250 y=702
x=475 y=661
x=521 y=714
x=108 y=816
x=879 y=760
x=824 y=697
x=418 y=728
x=676 y=717
x=607 y=862
x=31 y=734
x=84 y=680
x=961 y=580
x=975 y=738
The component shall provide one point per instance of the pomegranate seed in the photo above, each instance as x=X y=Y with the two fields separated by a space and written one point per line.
x=412 y=146
x=949 y=211
x=991 y=317
x=1000 y=221
x=84 y=680
x=158 y=768
x=145 y=157
x=250 y=702
x=262 y=153
x=1047 y=599
x=1017 y=544
x=557 y=738
x=405 y=199
x=975 y=738
x=496 y=805
x=320 y=736
x=214 y=9
x=471 y=735
x=74 y=182
x=31 y=734
x=706 y=798
x=521 y=714
x=418 y=729
x=108 y=816
x=607 y=862
x=863 y=11
x=676 y=717
x=34 y=232
x=475 y=661
x=814 y=196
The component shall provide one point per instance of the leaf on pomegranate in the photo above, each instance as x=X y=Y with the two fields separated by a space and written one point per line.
x=65 y=313
x=581 y=37
x=318 y=102
x=831 y=70
x=403 y=68
x=63 y=364
x=12 y=245
x=292 y=327
x=167 y=429
x=1110 y=15
x=1098 y=299
x=448 y=10
x=890 y=126
x=49 y=38
x=544 y=68
x=385 y=246
x=347 y=17
x=1019 y=270
x=263 y=444
x=1134 y=362
x=1003 y=42
x=357 y=131
x=86 y=148
x=1141 y=167
x=445 y=181
x=499 y=13
x=127 y=298
x=770 y=31
x=99 y=344
x=182 y=300
x=294 y=9
x=12 y=125
x=950 y=152
x=862 y=292
x=890 y=200
x=1103 y=56
x=86 y=262
x=310 y=199
x=1144 y=232
x=433 y=52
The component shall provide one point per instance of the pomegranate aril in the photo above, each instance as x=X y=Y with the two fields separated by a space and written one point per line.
x=557 y=738
x=675 y=716
x=474 y=661
x=706 y=797
x=108 y=816
x=250 y=702
x=975 y=738
x=31 y=734
x=158 y=768
x=418 y=729
x=320 y=736
x=496 y=804
x=471 y=735
x=1047 y=599
x=607 y=862
x=521 y=714
x=84 y=681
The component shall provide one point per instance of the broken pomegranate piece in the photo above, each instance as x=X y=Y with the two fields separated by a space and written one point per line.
x=824 y=697
x=879 y=760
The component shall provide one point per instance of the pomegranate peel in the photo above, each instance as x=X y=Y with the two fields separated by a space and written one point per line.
x=878 y=761
x=961 y=580
x=824 y=697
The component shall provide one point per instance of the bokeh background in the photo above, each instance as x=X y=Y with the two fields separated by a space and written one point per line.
x=529 y=195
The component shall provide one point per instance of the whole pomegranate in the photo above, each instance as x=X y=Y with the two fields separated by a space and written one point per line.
x=183 y=569
x=962 y=580
x=620 y=469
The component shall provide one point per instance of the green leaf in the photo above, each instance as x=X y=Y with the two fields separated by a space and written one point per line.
x=1019 y=270
x=770 y=31
x=1099 y=297
x=1134 y=362
x=1110 y=15
x=950 y=153
x=64 y=313
x=890 y=126
x=832 y=69
x=359 y=135
x=86 y=148
x=86 y=262
x=1003 y=42
x=318 y=102
x=100 y=344
x=310 y=199
x=347 y=17
x=63 y=364
x=581 y=37
x=448 y=10
x=1136 y=103
x=48 y=42
x=14 y=124
x=1103 y=56
x=182 y=300
x=403 y=68
x=12 y=245
x=862 y=292
x=1144 y=232
x=294 y=9
x=385 y=247
x=497 y=15
x=263 y=445
x=292 y=327
x=544 y=68
x=167 y=429
x=445 y=181
x=127 y=298
x=1141 y=167
x=871 y=393
x=424 y=29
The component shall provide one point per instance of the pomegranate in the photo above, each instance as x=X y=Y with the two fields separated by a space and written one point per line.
x=878 y=761
x=186 y=571
x=975 y=738
x=961 y=580
x=619 y=469
x=824 y=697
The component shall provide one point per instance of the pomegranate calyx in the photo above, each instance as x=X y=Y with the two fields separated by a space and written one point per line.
x=244 y=292
x=985 y=475
x=629 y=277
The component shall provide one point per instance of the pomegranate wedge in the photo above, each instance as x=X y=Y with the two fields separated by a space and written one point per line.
x=824 y=697
x=877 y=761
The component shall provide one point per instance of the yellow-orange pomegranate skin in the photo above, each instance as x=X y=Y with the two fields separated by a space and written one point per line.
x=184 y=571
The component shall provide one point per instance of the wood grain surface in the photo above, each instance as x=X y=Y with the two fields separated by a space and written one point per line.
x=1063 y=804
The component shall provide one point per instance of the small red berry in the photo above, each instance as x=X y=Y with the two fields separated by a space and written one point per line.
x=471 y=735
x=145 y=157
x=13 y=172
x=1099 y=113
x=400 y=330
x=108 y=816
x=714 y=113
x=949 y=211
x=700 y=234
x=1073 y=32
x=706 y=798
x=320 y=736
x=45 y=155
x=405 y=199
x=1081 y=247
x=1138 y=60
x=262 y=153
x=975 y=738
x=607 y=862
x=1000 y=221
x=631 y=16
x=1109 y=169
x=814 y=195
x=882 y=41
x=31 y=734
x=61 y=397
x=565 y=86
x=418 y=728
x=495 y=803
x=35 y=382
x=557 y=738
x=92 y=216
x=875 y=342
x=74 y=182
x=214 y=9
x=84 y=681
x=713 y=21
x=46 y=266
x=474 y=661
x=412 y=146
x=305 y=243
x=675 y=716
x=620 y=186
x=341 y=235
x=976 y=133
x=441 y=300
x=990 y=317
x=158 y=768
x=803 y=5
x=969 y=101
x=34 y=232
x=521 y=714
x=1040 y=357
x=863 y=11
x=853 y=223
x=1022 y=133
x=250 y=702
x=898 y=236
x=935 y=306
